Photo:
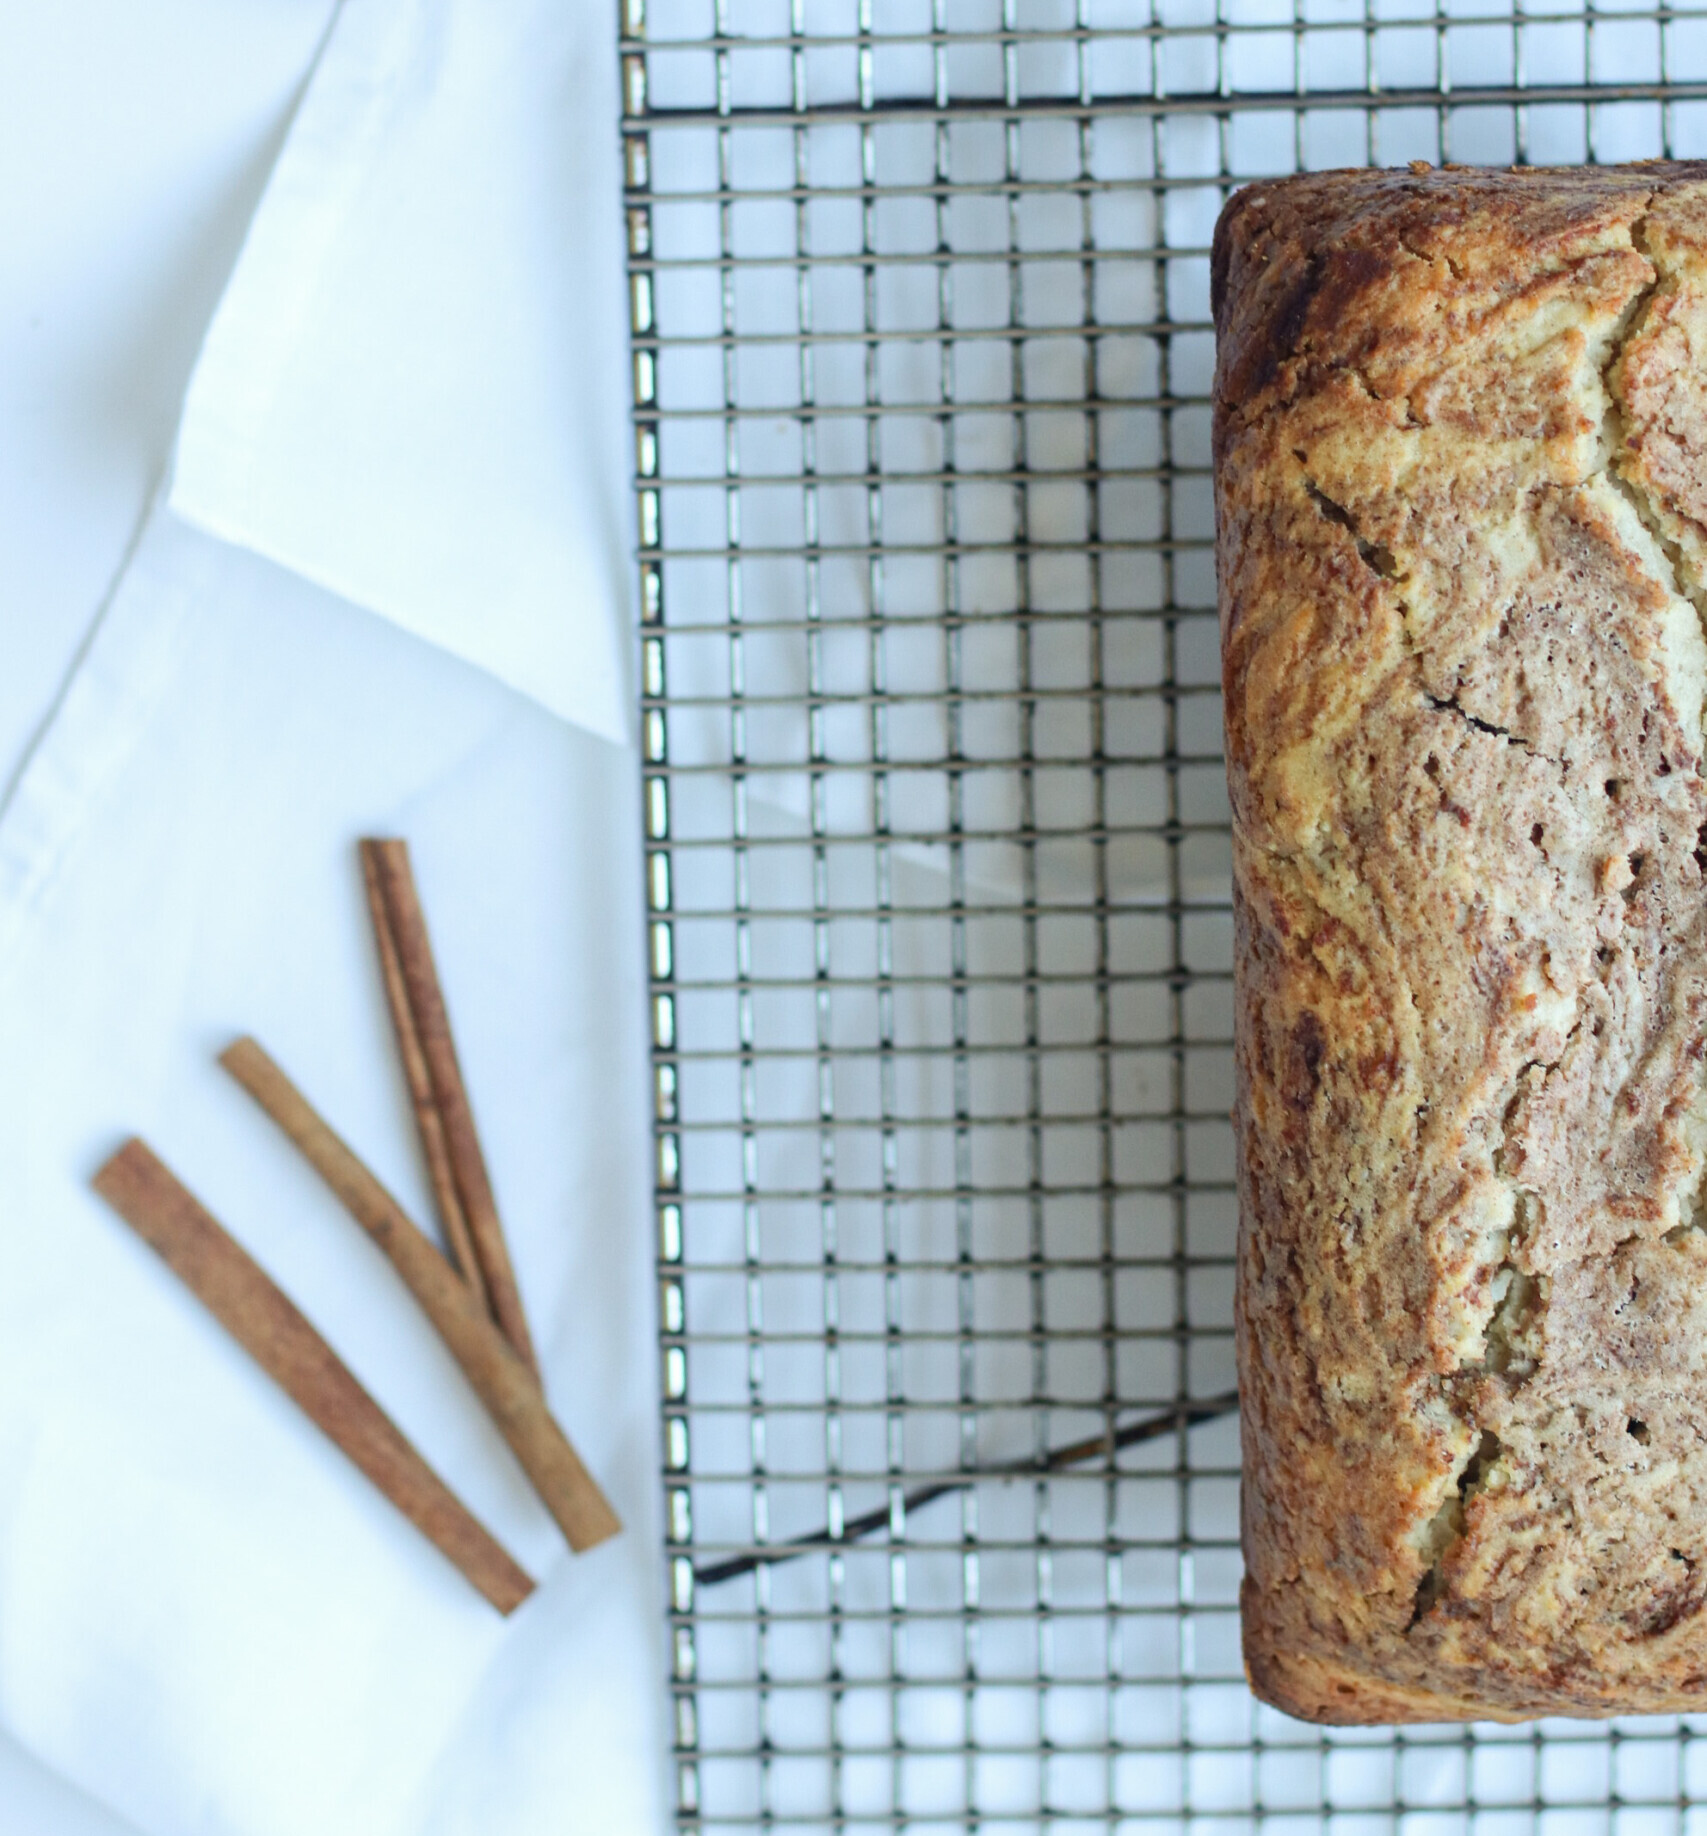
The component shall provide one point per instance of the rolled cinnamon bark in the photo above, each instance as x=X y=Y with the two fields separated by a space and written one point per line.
x=386 y=861
x=246 y=1301
x=505 y=1385
x=428 y=1121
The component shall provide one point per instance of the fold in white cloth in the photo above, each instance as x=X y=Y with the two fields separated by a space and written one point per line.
x=413 y=390
x=208 y=1619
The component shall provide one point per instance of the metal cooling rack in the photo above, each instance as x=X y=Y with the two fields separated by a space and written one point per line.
x=937 y=868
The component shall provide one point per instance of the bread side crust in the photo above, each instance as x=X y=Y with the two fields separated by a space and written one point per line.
x=1334 y=1692
x=1463 y=682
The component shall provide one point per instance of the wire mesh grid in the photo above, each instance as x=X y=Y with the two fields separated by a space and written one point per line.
x=937 y=874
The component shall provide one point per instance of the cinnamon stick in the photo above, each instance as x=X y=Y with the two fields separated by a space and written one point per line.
x=508 y=1389
x=428 y=1122
x=269 y=1326
x=389 y=860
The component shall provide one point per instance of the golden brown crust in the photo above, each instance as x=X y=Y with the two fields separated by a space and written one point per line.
x=1460 y=433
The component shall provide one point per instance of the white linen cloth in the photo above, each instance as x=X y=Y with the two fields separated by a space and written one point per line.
x=208 y=1619
x=414 y=389
x=135 y=143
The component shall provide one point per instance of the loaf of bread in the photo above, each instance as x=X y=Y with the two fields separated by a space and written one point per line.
x=1461 y=489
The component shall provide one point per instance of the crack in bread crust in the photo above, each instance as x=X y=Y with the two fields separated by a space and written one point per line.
x=1462 y=551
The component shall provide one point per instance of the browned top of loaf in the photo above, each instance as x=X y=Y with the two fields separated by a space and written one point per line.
x=1461 y=446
